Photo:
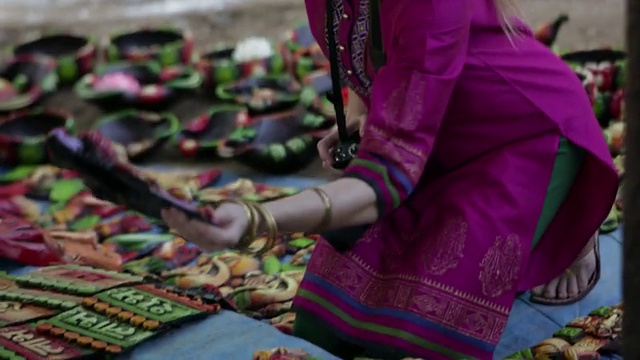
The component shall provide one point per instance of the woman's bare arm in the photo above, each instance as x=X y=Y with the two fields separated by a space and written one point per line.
x=353 y=202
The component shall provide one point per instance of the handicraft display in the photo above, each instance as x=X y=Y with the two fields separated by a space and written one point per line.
x=142 y=85
x=75 y=279
x=24 y=342
x=585 y=337
x=140 y=133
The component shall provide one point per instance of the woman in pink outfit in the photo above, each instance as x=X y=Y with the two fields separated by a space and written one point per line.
x=482 y=172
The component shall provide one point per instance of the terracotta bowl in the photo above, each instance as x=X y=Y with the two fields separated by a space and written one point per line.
x=302 y=53
x=218 y=67
x=167 y=46
x=206 y=135
x=278 y=143
x=23 y=135
x=140 y=133
x=25 y=80
x=262 y=94
x=75 y=55
x=141 y=85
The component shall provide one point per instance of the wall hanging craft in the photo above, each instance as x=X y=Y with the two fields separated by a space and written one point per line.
x=26 y=342
x=249 y=58
x=583 y=338
x=75 y=279
x=75 y=55
x=24 y=241
x=149 y=307
x=118 y=312
x=167 y=46
x=19 y=305
x=145 y=85
x=25 y=80
x=140 y=133
x=23 y=135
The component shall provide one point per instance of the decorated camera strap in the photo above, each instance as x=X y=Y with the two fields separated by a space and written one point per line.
x=377 y=54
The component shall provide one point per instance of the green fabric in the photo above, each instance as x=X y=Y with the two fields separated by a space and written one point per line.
x=565 y=169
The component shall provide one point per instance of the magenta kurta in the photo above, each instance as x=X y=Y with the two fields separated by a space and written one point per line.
x=462 y=133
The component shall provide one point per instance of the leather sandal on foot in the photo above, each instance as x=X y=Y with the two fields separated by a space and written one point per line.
x=537 y=299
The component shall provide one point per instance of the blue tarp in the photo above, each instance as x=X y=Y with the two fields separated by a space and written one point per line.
x=230 y=336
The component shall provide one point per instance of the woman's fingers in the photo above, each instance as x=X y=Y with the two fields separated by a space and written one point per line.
x=326 y=146
x=206 y=236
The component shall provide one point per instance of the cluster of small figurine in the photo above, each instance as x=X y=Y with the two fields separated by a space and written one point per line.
x=584 y=338
x=145 y=71
x=44 y=317
x=78 y=228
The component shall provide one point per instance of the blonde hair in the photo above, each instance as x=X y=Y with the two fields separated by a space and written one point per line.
x=507 y=11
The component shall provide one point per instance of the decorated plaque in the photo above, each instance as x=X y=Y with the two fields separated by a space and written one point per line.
x=75 y=279
x=46 y=299
x=24 y=342
x=14 y=312
x=95 y=330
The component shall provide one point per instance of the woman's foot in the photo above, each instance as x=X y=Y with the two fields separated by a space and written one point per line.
x=575 y=282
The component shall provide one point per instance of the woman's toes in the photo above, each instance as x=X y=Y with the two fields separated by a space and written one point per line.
x=572 y=285
x=538 y=290
x=561 y=292
x=551 y=290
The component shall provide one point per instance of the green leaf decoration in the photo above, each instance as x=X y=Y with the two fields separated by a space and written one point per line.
x=85 y=223
x=64 y=190
x=17 y=173
x=271 y=265
x=131 y=242
x=54 y=207
x=277 y=152
x=302 y=243
x=313 y=120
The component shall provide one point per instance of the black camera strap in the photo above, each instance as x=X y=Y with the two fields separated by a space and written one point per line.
x=377 y=54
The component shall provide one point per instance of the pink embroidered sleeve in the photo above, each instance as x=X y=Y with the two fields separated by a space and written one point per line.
x=426 y=44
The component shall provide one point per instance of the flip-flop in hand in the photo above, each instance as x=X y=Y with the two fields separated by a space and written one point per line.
x=230 y=225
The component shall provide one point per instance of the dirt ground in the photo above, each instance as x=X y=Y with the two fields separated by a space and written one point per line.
x=593 y=23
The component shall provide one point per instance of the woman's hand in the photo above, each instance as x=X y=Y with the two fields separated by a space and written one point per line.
x=230 y=225
x=327 y=145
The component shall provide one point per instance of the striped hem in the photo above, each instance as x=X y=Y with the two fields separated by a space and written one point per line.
x=407 y=330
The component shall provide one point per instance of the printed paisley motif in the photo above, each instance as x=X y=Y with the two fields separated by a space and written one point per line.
x=501 y=266
x=446 y=247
